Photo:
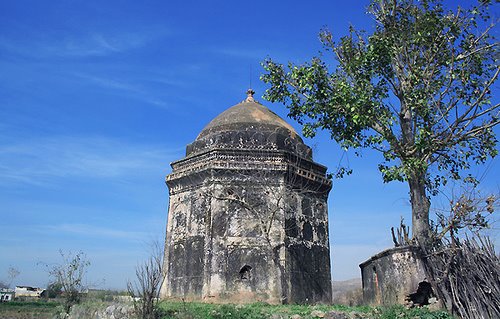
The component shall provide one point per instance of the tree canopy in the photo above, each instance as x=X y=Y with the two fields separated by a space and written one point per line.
x=418 y=88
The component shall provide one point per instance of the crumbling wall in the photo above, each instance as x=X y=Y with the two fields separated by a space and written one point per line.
x=390 y=276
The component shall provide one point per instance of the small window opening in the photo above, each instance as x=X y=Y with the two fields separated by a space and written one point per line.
x=245 y=272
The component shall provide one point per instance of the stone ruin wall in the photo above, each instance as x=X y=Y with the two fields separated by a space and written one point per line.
x=390 y=276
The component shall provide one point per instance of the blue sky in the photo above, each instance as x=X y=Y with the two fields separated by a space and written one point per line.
x=98 y=97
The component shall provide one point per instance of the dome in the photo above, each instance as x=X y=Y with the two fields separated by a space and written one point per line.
x=249 y=125
x=246 y=113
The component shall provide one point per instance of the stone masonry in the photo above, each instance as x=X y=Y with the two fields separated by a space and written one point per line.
x=248 y=217
x=391 y=275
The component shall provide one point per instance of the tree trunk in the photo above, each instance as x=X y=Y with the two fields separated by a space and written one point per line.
x=420 y=206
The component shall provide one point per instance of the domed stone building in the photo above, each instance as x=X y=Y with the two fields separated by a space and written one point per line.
x=248 y=217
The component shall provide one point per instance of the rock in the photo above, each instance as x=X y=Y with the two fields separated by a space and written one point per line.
x=358 y=315
x=336 y=315
x=295 y=317
x=111 y=310
x=435 y=304
x=317 y=314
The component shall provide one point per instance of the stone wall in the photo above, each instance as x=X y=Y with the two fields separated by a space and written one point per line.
x=307 y=249
x=391 y=275
x=216 y=250
x=102 y=311
x=247 y=230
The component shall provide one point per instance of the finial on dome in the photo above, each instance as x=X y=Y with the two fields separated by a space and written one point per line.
x=250 y=94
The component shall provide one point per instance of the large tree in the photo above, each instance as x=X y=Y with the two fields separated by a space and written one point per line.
x=418 y=88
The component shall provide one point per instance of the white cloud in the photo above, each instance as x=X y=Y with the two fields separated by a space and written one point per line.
x=134 y=90
x=93 y=231
x=84 y=230
x=83 y=45
x=40 y=161
x=110 y=83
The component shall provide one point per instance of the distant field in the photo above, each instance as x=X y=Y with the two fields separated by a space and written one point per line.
x=28 y=310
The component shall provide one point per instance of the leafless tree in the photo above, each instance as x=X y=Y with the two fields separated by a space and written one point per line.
x=469 y=211
x=145 y=289
x=70 y=275
x=461 y=263
x=12 y=272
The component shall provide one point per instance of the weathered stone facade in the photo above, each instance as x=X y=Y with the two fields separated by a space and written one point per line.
x=390 y=276
x=248 y=216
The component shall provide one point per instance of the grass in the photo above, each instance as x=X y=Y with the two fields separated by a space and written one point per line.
x=401 y=312
x=197 y=310
x=29 y=309
x=194 y=310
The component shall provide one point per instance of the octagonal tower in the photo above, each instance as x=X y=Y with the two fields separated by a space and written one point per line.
x=248 y=217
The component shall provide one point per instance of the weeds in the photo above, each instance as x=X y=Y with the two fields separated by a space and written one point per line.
x=401 y=312
x=197 y=310
x=29 y=309
x=194 y=310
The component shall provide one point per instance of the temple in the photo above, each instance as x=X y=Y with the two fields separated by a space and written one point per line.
x=248 y=216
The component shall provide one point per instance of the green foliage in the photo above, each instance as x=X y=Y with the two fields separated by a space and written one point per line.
x=417 y=89
x=401 y=312
x=54 y=290
x=231 y=311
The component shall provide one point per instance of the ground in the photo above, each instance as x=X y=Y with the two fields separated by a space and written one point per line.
x=192 y=310
x=29 y=310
